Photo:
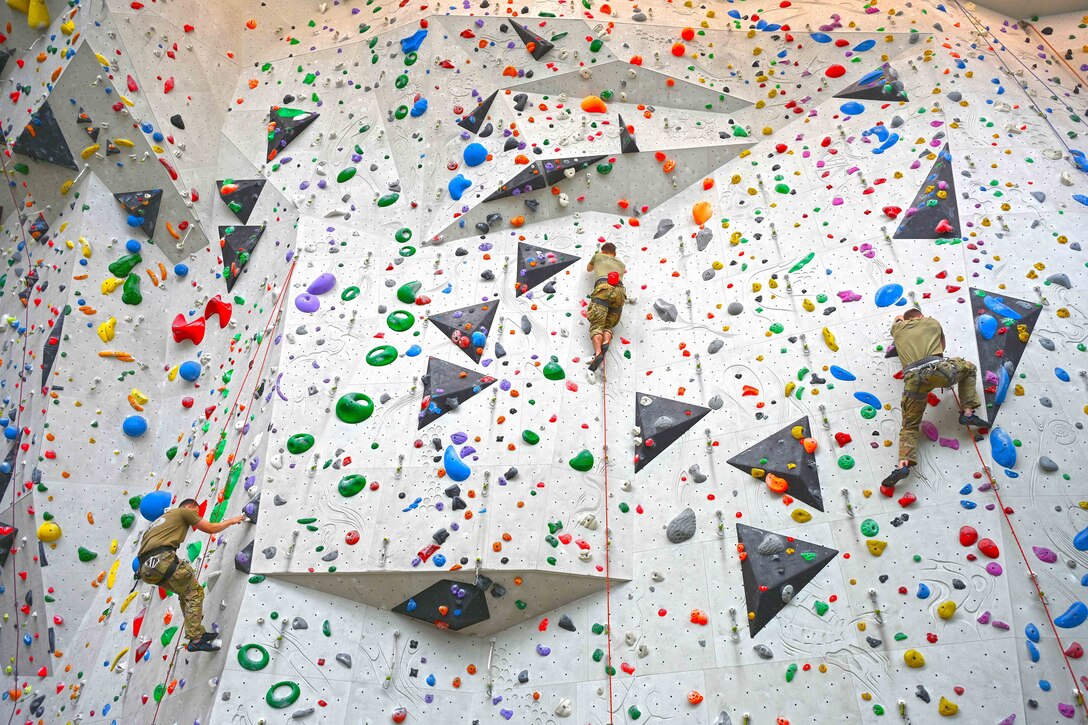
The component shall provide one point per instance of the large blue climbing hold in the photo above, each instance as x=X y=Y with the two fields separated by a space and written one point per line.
x=816 y=37
x=412 y=42
x=1062 y=374
x=888 y=295
x=1002 y=448
x=1072 y=617
x=865 y=45
x=1003 y=382
x=1032 y=633
x=852 y=108
x=986 y=326
x=152 y=505
x=456 y=469
x=868 y=399
x=1081 y=198
x=1080 y=541
x=923 y=591
x=841 y=374
x=457 y=186
x=418 y=108
x=474 y=154
x=998 y=306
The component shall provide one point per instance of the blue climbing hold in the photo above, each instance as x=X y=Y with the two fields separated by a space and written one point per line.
x=1003 y=382
x=966 y=489
x=11 y=432
x=135 y=221
x=431 y=680
x=865 y=45
x=135 y=564
x=132 y=246
x=412 y=42
x=1044 y=685
x=457 y=186
x=998 y=306
x=413 y=351
x=1032 y=633
x=868 y=399
x=1081 y=198
x=986 y=326
x=134 y=426
x=888 y=295
x=181 y=270
x=418 y=108
x=841 y=374
x=439 y=560
x=189 y=370
x=969 y=505
x=479 y=339
x=1072 y=617
x=923 y=591
x=852 y=108
x=819 y=37
x=1062 y=375
x=475 y=154
x=456 y=469
x=871 y=77
x=152 y=505
x=1033 y=651
x=1002 y=448
x=1080 y=541
x=411 y=606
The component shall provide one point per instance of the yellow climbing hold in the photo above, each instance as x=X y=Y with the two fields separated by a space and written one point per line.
x=946 y=609
x=758 y=473
x=801 y=516
x=797 y=432
x=90 y=150
x=807 y=304
x=111 y=579
x=49 y=532
x=107 y=329
x=85 y=247
x=947 y=708
x=829 y=338
x=1018 y=389
x=876 y=546
x=110 y=284
x=790 y=386
x=1063 y=312
x=914 y=659
x=128 y=600
x=117 y=659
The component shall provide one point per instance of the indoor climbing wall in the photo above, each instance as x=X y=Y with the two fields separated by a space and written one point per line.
x=325 y=264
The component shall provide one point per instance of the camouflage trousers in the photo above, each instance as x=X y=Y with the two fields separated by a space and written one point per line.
x=605 y=307
x=183 y=583
x=918 y=383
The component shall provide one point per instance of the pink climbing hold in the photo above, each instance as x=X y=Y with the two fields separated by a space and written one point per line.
x=950 y=443
x=929 y=431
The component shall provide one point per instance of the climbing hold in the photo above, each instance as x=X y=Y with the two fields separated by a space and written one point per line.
x=583 y=461
x=456 y=468
x=1072 y=617
x=947 y=708
x=49 y=532
x=354 y=407
x=134 y=426
x=1002 y=448
x=300 y=443
x=888 y=295
x=946 y=609
x=153 y=504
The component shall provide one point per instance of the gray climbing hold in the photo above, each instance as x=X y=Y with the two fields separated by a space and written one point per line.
x=1046 y=342
x=299 y=623
x=665 y=310
x=697 y=475
x=523 y=676
x=682 y=527
x=959 y=584
x=772 y=544
x=385 y=398
x=344 y=658
x=735 y=308
x=500 y=351
x=1075 y=246
x=1047 y=464
x=269 y=552
x=723 y=719
x=639 y=17
x=304 y=712
x=498 y=590
x=663 y=228
x=708 y=274
x=566 y=623
x=702 y=239
x=922 y=694
x=715 y=403
x=331 y=556
x=714 y=346
x=764 y=651
x=1046 y=402
x=874 y=642
x=1039 y=196
x=955 y=96
x=526 y=325
x=279 y=500
x=1061 y=279
x=787 y=593
x=896 y=121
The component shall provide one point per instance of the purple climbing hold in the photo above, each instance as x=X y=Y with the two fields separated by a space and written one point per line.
x=1044 y=554
x=322 y=284
x=306 y=302
x=930 y=431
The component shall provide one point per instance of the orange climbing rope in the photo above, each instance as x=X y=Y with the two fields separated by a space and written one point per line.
x=268 y=335
x=607 y=539
x=1024 y=556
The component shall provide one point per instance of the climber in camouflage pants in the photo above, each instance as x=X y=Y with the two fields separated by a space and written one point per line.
x=606 y=301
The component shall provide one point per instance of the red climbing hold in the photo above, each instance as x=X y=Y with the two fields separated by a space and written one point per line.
x=943 y=227
x=907 y=499
x=989 y=548
x=1075 y=651
x=835 y=71
x=191 y=331
x=892 y=211
x=842 y=439
x=968 y=536
x=216 y=306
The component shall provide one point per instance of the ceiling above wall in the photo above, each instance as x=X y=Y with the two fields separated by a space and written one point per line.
x=1025 y=10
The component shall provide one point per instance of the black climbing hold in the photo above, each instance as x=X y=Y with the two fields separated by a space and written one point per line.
x=536 y=45
x=1002 y=349
x=240 y=195
x=934 y=204
x=882 y=86
x=285 y=125
x=627 y=142
x=460 y=612
x=7 y=537
x=462 y=324
x=177 y=122
x=237 y=243
x=538 y=264
x=775 y=454
x=243 y=560
x=447 y=386
x=662 y=422
x=52 y=346
x=474 y=121
x=566 y=623
x=768 y=568
x=144 y=205
x=43 y=140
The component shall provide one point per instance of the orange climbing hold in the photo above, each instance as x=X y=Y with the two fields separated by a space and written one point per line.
x=251 y=24
x=678 y=49
x=701 y=212
x=777 y=483
x=594 y=104
x=809 y=444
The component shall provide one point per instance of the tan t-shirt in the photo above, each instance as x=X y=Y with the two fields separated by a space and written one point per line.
x=170 y=530
x=603 y=264
x=917 y=339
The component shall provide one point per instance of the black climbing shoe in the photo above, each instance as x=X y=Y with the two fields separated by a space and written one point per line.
x=604 y=347
x=596 y=362
x=973 y=420
x=895 y=477
x=208 y=643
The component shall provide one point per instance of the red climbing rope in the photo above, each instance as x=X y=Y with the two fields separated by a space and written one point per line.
x=1024 y=556
x=267 y=337
x=607 y=540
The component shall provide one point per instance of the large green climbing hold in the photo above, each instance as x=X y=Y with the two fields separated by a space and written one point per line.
x=193 y=550
x=791 y=671
x=381 y=355
x=354 y=407
x=124 y=266
x=406 y=293
x=168 y=635
x=869 y=528
x=130 y=293
x=553 y=371
x=400 y=320
x=160 y=689
x=300 y=443
x=351 y=485
x=583 y=461
x=804 y=260
x=388 y=200
x=846 y=462
x=127 y=520
x=530 y=437
x=86 y=555
x=820 y=607
x=345 y=175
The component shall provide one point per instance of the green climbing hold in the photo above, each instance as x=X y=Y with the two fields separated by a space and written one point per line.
x=604 y=169
x=193 y=550
x=401 y=81
x=345 y=175
x=168 y=635
x=598 y=654
x=791 y=671
x=350 y=293
x=130 y=293
x=804 y=260
x=520 y=604
x=326 y=628
x=351 y=485
x=553 y=371
x=354 y=407
x=300 y=443
x=86 y=555
x=777 y=328
x=406 y=293
x=253 y=664
x=530 y=437
x=127 y=520
x=820 y=607
x=781 y=188
x=878 y=709
x=583 y=461
x=634 y=713
x=846 y=462
x=400 y=320
x=388 y=200
x=171 y=452
x=381 y=355
x=124 y=266
x=624 y=507
x=597 y=628
x=403 y=235
x=868 y=412
x=160 y=689
x=870 y=528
